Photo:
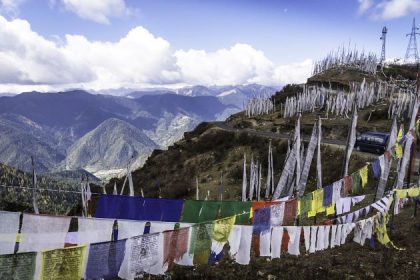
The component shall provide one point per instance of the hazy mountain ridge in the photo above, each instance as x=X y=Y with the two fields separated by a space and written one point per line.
x=48 y=125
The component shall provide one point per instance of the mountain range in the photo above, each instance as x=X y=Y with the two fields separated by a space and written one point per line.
x=98 y=132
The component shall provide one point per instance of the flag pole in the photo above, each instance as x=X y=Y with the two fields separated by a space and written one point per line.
x=34 y=184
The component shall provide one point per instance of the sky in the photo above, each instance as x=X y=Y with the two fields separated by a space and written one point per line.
x=109 y=44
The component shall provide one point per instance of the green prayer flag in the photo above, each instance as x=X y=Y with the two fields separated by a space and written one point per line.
x=200 y=244
x=241 y=209
x=18 y=266
x=210 y=211
x=356 y=183
x=191 y=211
x=305 y=204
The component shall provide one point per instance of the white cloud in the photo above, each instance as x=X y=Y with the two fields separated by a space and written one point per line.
x=388 y=9
x=139 y=59
x=365 y=5
x=10 y=7
x=239 y=64
x=28 y=58
x=293 y=73
x=96 y=10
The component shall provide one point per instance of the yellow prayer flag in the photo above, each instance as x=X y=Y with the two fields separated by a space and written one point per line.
x=311 y=213
x=401 y=193
x=318 y=197
x=364 y=176
x=398 y=147
x=222 y=228
x=67 y=263
x=330 y=210
x=413 y=192
x=298 y=208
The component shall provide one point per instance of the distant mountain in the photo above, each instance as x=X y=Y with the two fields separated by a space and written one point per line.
x=6 y=94
x=138 y=94
x=109 y=146
x=21 y=138
x=229 y=95
x=197 y=91
x=53 y=126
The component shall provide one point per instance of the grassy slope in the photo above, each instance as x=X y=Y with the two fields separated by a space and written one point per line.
x=207 y=150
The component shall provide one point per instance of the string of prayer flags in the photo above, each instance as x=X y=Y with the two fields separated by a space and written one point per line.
x=67 y=263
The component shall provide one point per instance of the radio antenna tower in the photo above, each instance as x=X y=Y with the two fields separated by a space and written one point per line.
x=383 y=39
x=412 y=52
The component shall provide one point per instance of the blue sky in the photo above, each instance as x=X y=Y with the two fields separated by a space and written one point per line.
x=271 y=36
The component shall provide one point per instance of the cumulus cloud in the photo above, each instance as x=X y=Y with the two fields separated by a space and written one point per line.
x=28 y=58
x=99 y=11
x=239 y=64
x=388 y=9
x=139 y=59
x=10 y=7
x=293 y=73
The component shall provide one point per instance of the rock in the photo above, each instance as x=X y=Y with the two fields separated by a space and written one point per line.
x=260 y=273
x=271 y=277
x=370 y=274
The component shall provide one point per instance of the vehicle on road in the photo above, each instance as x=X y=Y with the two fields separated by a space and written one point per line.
x=372 y=142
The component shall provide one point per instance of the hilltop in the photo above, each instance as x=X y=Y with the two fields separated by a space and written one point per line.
x=214 y=148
